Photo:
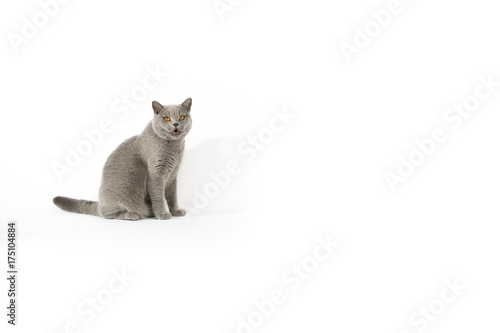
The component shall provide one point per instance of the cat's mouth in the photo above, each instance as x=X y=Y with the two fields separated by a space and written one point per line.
x=176 y=132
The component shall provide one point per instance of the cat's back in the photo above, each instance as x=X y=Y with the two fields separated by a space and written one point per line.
x=124 y=156
x=123 y=173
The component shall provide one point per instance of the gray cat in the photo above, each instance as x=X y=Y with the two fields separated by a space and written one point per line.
x=139 y=178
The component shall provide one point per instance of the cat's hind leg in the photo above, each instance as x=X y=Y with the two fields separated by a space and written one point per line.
x=119 y=213
x=132 y=216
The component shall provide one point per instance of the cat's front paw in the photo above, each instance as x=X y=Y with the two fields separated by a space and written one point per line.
x=179 y=212
x=163 y=216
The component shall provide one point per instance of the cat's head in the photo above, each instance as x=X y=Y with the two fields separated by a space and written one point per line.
x=172 y=122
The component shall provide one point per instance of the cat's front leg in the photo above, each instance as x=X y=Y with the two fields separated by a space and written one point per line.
x=171 y=196
x=156 y=190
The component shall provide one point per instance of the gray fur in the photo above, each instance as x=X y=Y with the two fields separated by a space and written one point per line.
x=139 y=179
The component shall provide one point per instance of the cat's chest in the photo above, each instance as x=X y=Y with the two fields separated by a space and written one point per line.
x=167 y=162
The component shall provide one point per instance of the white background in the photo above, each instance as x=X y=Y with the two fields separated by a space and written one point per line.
x=321 y=176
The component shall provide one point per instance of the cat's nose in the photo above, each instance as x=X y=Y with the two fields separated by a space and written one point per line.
x=176 y=124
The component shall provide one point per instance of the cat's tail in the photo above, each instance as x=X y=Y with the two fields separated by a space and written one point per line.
x=78 y=206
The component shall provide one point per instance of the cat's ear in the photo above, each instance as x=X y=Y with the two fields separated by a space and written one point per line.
x=157 y=107
x=187 y=104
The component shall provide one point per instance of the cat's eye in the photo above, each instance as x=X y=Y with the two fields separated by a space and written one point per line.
x=167 y=119
x=182 y=118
